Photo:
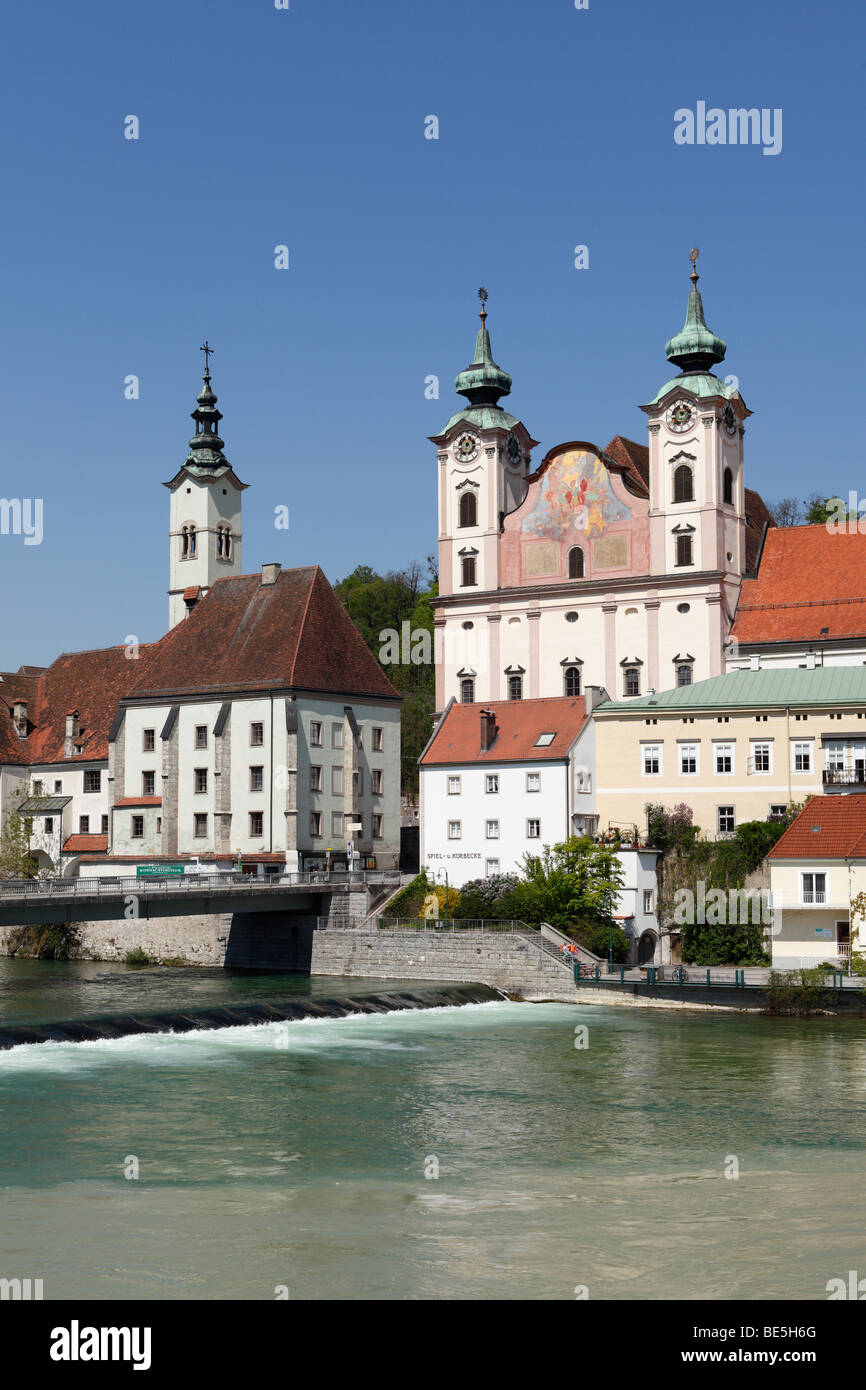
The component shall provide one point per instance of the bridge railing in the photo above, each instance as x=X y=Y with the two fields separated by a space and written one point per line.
x=17 y=889
x=341 y=922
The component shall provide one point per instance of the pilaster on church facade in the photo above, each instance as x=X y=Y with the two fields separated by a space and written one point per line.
x=617 y=567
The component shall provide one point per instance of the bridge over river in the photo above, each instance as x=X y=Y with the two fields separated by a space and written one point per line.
x=26 y=902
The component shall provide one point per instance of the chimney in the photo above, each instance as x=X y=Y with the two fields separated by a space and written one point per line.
x=19 y=716
x=810 y=661
x=755 y=661
x=593 y=695
x=488 y=729
x=71 y=734
x=269 y=573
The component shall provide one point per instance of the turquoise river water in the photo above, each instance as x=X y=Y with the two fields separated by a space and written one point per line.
x=298 y=1154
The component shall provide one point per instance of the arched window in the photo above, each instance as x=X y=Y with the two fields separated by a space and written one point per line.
x=575 y=562
x=572 y=680
x=219 y=541
x=227 y=544
x=683 y=484
x=728 y=488
x=184 y=543
x=467 y=690
x=192 y=542
x=468 y=509
x=684 y=673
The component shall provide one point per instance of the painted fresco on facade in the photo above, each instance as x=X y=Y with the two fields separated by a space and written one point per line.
x=575 y=495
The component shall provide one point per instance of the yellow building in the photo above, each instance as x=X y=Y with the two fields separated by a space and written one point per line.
x=734 y=748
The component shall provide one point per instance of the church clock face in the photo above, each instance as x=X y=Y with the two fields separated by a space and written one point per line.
x=466 y=448
x=513 y=447
x=730 y=419
x=680 y=416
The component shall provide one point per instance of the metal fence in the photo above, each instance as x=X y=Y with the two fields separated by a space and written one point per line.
x=422 y=924
x=185 y=883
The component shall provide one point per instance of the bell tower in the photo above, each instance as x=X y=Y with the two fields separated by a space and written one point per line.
x=204 y=511
x=696 y=429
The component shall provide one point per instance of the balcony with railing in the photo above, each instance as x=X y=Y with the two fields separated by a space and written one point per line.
x=838 y=778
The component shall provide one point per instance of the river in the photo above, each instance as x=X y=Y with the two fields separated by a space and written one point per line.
x=304 y=1155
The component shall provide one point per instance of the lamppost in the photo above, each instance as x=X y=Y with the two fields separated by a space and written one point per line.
x=609 y=932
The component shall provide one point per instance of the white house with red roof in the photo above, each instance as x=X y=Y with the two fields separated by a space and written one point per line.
x=500 y=781
x=816 y=869
x=618 y=567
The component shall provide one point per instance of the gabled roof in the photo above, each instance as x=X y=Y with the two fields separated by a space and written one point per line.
x=809 y=579
x=90 y=682
x=519 y=723
x=826 y=687
x=247 y=635
x=828 y=827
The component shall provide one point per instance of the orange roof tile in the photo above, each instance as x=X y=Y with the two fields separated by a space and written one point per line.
x=81 y=844
x=809 y=579
x=518 y=724
x=139 y=801
x=828 y=827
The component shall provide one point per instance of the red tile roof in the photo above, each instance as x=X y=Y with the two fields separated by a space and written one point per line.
x=139 y=801
x=519 y=723
x=634 y=458
x=81 y=844
x=246 y=635
x=90 y=682
x=809 y=579
x=828 y=827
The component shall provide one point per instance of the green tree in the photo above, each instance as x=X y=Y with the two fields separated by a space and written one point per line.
x=571 y=885
x=16 y=861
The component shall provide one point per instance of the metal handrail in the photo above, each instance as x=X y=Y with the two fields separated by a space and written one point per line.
x=187 y=883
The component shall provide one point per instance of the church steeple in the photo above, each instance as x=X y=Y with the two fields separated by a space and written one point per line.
x=205 y=510
x=206 y=447
x=483 y=382
x=695 y=348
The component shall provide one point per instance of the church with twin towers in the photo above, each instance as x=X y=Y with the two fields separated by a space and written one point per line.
x=618 y=567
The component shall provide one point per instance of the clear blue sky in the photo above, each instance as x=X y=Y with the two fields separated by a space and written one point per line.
x=306 y=127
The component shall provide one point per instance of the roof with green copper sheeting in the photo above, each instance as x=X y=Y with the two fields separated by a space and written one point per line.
x=826 y=686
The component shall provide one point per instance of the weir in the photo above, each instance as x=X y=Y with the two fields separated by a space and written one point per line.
x=240 y=1015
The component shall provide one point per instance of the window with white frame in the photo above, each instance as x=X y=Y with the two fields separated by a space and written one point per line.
x=533 y=781
x=651 y=759
x=647 y=900
x=377 y=735
x=491 y=867
x=688 y=759
x=315 y=734
x=315 y=779
x=257 y=733
x=533 y=830
x=336 y=781
x=336 y=735
x=376 y=781
x=762 y=756
x=491 y=829
x=491 y=782
x=725 y=819
x=454 y=786
x=801 y=753
x=778 y=811
x=454 y=830
x=148 y=783
x=201 y=735
x=723 y=758
x=813 y=888
x=257 y=822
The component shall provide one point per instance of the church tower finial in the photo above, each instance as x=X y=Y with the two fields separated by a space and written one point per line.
x=695 y=348
x=206 y=447
x=483 y=382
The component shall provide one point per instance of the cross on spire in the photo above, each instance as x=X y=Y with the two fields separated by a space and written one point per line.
x=208 y=353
